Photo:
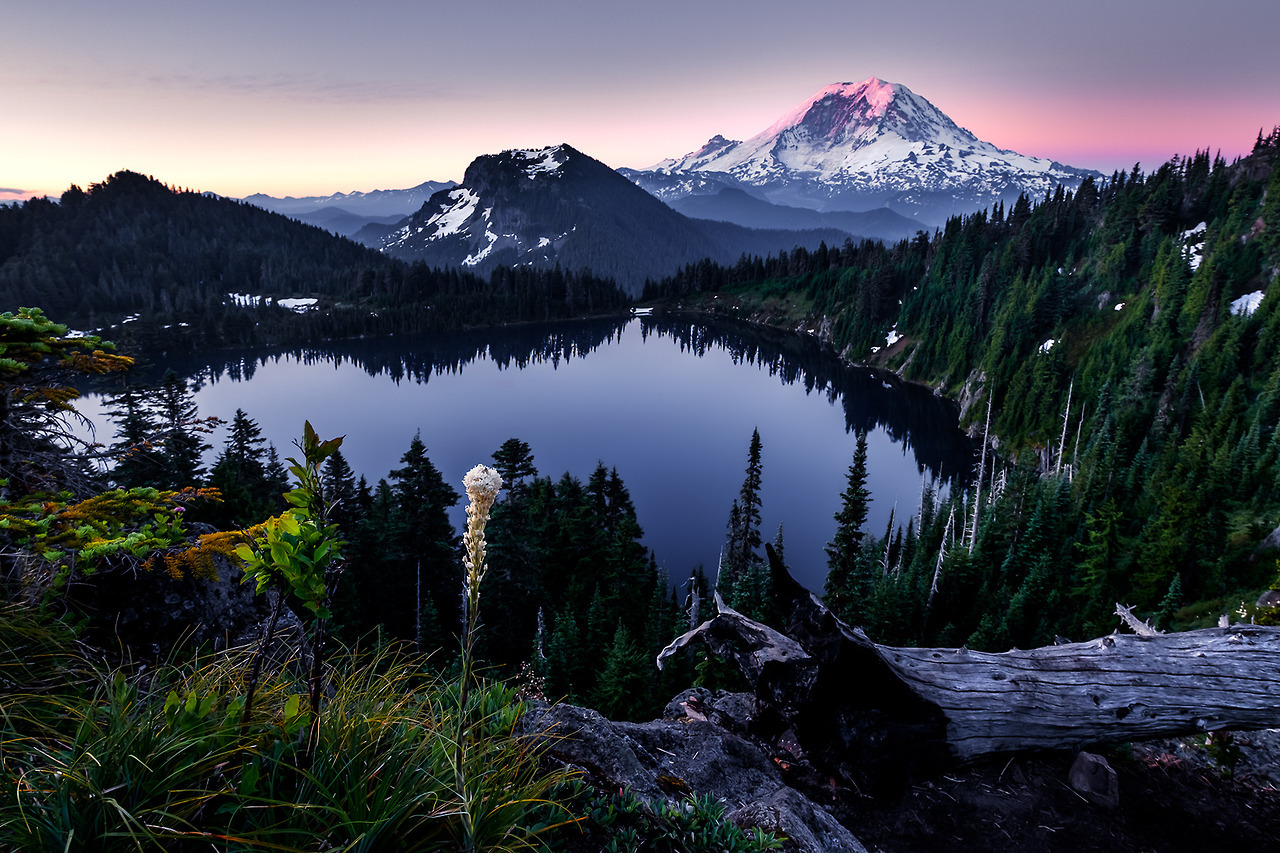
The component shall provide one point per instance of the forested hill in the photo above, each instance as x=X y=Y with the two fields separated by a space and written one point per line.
x=131 y=247
x=1127 y=339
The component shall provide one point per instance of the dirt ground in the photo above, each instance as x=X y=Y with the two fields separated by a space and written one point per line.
x=1173 y=796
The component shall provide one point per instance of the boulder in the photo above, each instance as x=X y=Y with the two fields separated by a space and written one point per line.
x=681 y=756
x=149 y=612
x=1094 y=779
x=806 y=826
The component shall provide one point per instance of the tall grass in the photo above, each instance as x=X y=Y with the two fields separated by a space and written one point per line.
x=96 y=758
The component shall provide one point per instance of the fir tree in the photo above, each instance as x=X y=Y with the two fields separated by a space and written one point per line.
x=849 y=583
x=425 y=535
x=38 y=364
x=181 y=445
x=750 y=501
x=621 y=691
x=240 y=474
x=514 y=462
x=137 y=463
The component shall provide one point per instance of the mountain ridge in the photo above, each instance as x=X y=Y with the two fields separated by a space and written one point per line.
x=372 y=203
x=556 y=206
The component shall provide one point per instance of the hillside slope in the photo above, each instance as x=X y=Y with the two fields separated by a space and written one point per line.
x=1127 y=340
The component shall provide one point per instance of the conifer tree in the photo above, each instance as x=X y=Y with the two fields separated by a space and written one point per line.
x=39 y=361
x=621 y=691
x=181 y=445
x=137 y=463
x=849 y=583
x=512 y=584
x=514 y=462
x=568 y=664
x=750 y=501
x=240 y=474
x=277 y=476
x=425 y=535
x=343 y=492
x=731 y=567
x=743 y=541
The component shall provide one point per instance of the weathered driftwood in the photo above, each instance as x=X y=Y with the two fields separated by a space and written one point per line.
x=863 y=708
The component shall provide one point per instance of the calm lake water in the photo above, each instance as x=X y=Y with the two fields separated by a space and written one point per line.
x=670 y=403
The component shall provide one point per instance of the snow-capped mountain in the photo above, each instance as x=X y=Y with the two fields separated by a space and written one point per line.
x=857 y=146
x=556 y=205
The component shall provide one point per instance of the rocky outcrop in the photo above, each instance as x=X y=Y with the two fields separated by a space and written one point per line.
x=702 y=747
x=1272 y=540
x=150 y=612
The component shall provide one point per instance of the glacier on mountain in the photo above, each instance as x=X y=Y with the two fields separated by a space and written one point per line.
x=861 y=145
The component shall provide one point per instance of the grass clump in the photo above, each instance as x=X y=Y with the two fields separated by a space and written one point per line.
x=113 y=758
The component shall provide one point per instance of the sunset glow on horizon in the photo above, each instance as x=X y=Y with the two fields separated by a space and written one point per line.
x=314 y=98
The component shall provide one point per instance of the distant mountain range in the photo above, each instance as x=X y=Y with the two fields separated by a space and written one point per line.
x=558 y=207
x=347 y=213
x=861 y=160
x=861 y=146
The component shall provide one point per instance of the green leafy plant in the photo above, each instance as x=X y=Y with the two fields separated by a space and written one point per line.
x=293 y=553
x=623 y=822
x=293 y=550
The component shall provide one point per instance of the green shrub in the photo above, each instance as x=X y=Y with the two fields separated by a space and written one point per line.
x=622 y=822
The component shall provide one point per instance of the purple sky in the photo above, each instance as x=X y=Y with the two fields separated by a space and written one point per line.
x=309 y=98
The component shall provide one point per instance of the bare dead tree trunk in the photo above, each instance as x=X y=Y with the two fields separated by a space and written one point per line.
x=872 y=713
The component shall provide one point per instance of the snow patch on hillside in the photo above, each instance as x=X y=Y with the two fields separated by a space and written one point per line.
x=540 y=161
x=1194 y=239
x=298 y=306
x=450 y=220
x=1247 y=304
x=476 y=257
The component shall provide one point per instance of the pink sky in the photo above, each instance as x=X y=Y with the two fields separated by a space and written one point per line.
x=293 y=98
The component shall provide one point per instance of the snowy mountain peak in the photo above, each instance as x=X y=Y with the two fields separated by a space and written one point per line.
x=859 y=145
x=524 y=206
x=841 y=103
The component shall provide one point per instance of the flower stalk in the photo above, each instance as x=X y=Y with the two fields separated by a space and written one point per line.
x=482 y=484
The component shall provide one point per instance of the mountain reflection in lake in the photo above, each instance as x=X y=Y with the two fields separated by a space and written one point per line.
x=670 y=403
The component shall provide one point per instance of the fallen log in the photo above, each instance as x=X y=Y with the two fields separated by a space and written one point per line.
x=869 y=711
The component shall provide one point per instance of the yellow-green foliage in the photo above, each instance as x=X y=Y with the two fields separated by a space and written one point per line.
x=28 y=338
x=37 y=357
x=201 y=559
x=140 y=523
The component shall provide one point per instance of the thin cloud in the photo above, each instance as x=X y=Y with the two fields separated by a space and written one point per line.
x=295 y=86
x=9 y=195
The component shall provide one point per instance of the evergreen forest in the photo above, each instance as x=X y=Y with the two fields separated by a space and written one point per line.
x=162 y=268
x=1117 y=351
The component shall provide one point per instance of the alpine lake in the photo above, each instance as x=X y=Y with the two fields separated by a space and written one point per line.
x=670 y=402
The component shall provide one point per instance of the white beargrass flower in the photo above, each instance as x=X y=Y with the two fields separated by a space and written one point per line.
x=482 y=484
